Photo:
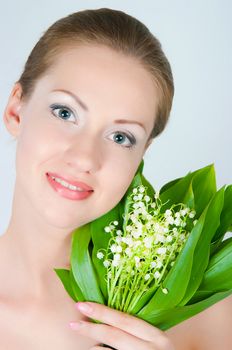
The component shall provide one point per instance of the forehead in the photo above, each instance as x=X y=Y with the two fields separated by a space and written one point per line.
x=101 y=75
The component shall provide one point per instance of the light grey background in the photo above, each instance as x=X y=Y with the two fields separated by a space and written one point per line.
x=196 y=37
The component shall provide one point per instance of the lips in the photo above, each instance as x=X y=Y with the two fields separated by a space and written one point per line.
x=67 y=193
x=68 y=179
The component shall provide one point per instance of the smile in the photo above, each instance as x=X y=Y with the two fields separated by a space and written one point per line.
x=67 y=185
x=66 y=190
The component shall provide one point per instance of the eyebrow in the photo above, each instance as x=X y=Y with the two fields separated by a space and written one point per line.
x=83 y=105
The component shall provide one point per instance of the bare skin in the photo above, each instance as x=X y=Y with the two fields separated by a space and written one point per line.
x=35 y=310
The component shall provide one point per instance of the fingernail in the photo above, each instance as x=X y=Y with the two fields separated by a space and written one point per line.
x=85 y=308
x=76 y=325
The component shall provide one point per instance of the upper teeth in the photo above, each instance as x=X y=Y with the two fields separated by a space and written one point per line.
x=66 y=184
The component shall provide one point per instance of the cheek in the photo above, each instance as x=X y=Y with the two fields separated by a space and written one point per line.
x=36 y=144
x=118 y=178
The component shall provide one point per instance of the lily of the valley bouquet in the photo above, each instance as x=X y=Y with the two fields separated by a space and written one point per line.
x=161 y=256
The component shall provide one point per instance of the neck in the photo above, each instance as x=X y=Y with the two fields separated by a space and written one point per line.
x=30 y=249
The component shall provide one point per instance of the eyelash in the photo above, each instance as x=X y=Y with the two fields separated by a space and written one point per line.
x=130 y=137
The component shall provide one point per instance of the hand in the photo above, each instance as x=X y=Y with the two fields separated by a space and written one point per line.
x=119 y=329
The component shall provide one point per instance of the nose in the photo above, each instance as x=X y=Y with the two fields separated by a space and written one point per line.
x=84 y=154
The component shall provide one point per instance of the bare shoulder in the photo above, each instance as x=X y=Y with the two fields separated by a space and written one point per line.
x=209 y=330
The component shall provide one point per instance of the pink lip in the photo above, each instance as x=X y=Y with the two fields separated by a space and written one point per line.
x=66 y=192
x=82 y=185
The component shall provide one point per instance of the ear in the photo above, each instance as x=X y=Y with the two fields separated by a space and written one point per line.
x=11 y=117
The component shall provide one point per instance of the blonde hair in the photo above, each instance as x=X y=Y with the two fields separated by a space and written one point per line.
x=114 y=29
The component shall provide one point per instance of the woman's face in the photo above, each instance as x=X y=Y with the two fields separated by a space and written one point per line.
x=98 y=137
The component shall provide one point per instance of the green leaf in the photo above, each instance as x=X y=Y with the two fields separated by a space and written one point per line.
x=204 y=187
x=176 y=193
x=76 y=289
x=64 y=276
x=169 y=184
x=199 y=296
x=189 y=196
x=82 y=268
x=218 y=276
x=168 y=318
x=226 y=215
x=202 y=251
x=201 y=181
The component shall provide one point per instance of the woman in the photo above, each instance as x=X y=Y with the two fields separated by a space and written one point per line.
x=95 y=91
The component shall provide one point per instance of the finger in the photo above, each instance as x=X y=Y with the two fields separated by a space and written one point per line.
x=122 y=320
x=113 y=337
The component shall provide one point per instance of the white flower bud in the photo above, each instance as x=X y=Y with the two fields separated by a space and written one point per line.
x=113 y=248
x=159 y=264
x=119 y=249
x=183 y=212
x=118 y=239
x=156 y=195
x=148 y=242
x=192 y=214
x=161 y=250
x=135 y=205
x=147 y=199
x=165 y=291
x=106 y=263
x=136 y=234
x=170 y=220
x=160 y=238
x=157 y=274
x=153 y=264
x=117 y=256
x=100 y=255
x=137 y=259
x=177 y=222
x=128 y=252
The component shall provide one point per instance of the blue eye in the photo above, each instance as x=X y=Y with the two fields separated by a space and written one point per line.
x=122 y=138
x=64 y=112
